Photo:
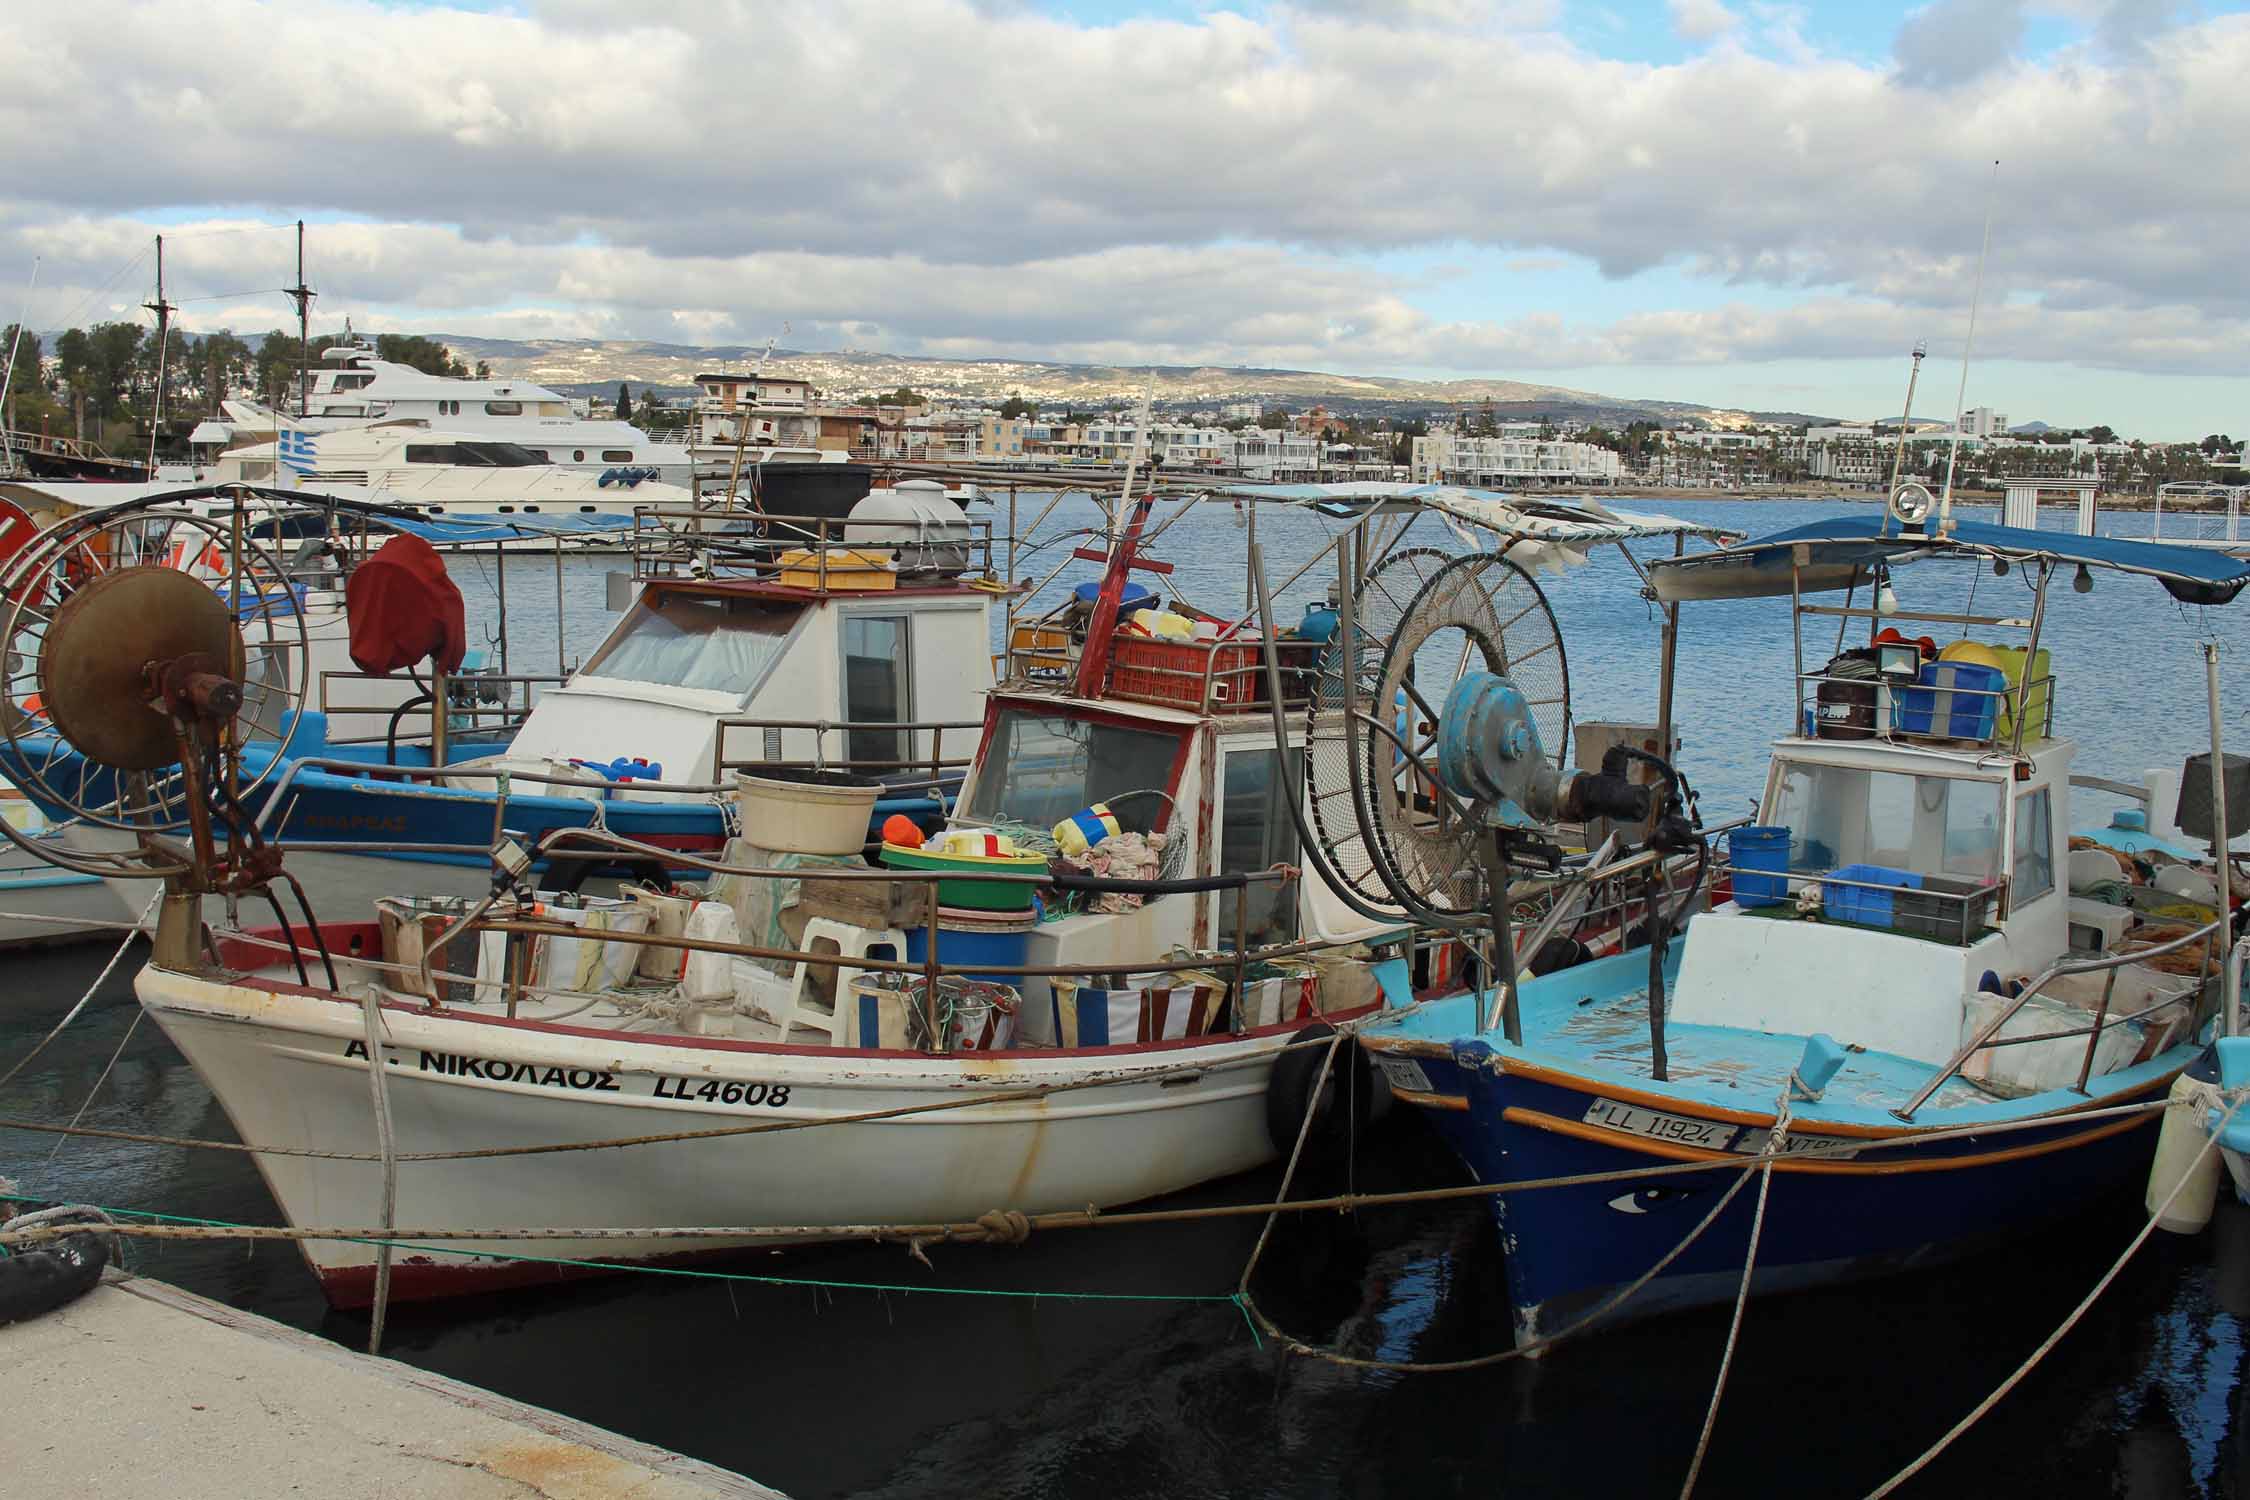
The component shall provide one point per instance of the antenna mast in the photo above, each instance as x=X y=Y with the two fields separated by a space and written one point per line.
x=163 y=311
x=1953 y=453
x=302 y=295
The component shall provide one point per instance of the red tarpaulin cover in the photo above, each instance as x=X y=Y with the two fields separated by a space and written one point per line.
x=402 y=607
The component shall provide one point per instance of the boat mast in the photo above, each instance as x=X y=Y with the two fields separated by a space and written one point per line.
x=302 y=295
x=1898 y=453
x=163 y=311
x=1093 y=656
x=8 y=376
x=1953 y=453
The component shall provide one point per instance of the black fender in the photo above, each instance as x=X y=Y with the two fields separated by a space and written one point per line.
x=1338 y=1113
x=43 y=1277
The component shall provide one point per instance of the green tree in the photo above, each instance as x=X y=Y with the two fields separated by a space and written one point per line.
x=427 y=355
x=624 y=403
x=484 y=369
x=903 y=396
x=1017 y=406
x=2102 y=434
x=224 y=362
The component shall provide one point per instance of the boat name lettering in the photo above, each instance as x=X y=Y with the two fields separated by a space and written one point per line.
x=355 y=823
x=454 y=1065
x=1753 y=1143
x=1711 y=1135
x=713 y=1091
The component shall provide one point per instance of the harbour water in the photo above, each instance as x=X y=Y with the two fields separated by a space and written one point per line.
x=1111 y=1362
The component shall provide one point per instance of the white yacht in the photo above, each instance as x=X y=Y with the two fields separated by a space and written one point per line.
x=446 y=473
x=355 y=389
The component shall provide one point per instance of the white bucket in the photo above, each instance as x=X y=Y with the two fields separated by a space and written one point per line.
x=806 y=812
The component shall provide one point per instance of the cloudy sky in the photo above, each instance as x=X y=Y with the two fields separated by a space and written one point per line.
x=1741 y=203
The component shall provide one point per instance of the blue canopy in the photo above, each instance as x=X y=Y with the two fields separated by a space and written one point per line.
x=1844 y=550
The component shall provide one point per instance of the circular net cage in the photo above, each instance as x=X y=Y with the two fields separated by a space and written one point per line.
x=88 y=604
x=1478 y=613
x=1343 y=689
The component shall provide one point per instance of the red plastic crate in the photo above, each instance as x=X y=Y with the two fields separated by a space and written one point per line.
x=1174 y=672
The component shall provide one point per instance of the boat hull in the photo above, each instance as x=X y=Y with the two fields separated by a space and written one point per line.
x=289 y=1067
x=1875 y=1212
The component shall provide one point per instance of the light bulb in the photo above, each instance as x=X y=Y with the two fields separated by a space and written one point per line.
x=1886 y=600
x=2084 y=582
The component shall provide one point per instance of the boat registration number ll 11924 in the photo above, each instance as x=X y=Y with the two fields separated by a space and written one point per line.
x=1710 y=1135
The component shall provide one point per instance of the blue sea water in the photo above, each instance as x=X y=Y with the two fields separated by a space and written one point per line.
x=1029 y=1389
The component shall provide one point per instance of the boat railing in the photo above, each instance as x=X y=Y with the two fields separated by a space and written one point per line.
x=689 y=542
x=1988 y=1034
x=2196 y=519
x=1887 y=709
x=474 y=702
x=832 y=743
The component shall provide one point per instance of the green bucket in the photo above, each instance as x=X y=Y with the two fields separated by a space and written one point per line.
x=977 y=895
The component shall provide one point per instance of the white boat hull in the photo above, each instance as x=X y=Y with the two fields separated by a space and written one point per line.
x=332 y=882
x=288 y=1065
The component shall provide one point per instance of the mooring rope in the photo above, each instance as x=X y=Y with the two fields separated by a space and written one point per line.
x=83 y=1000
x=1775 y=1145
x=2046 y=1346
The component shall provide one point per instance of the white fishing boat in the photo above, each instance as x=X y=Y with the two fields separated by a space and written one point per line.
x=1082 y=989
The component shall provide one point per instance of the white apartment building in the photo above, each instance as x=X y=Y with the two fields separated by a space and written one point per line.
x=1984 y=422
x=1500 y=462
x=1255 y=453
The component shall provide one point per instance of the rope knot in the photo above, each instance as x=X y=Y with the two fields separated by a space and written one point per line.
x=1004 y=1227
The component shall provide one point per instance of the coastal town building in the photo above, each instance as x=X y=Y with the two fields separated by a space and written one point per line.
x=1448 y=457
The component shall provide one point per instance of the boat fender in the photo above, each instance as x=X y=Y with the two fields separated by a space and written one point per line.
x=47 y=1275
x=2180 y=1155
x=1338 y=1114
x=608 y=478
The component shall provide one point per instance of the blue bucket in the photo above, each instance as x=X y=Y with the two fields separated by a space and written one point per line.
x=964 y=941
x=1759 y=847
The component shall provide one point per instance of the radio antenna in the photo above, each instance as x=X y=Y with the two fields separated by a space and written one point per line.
x=1976 y=296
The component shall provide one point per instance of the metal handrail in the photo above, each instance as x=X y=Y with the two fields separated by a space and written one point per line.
x=2007 y=695
x=821 y=761
x=1986 y=1033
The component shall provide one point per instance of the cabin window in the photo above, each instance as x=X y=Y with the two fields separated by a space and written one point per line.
x=1257 y=833
x=533 y=509
x=2034 y=872
x=585 y=510
x=711 y=642
x=878 y=689
x=507 y=510
x=577 y=455
x=503 y=408
x=1845 y=815
x=617 y=455
x=430 y=453
x=1038 y=769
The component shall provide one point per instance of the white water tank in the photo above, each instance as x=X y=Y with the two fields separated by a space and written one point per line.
x=925 y=532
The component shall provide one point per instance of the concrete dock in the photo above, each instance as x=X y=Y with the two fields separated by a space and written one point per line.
x=141 y=1387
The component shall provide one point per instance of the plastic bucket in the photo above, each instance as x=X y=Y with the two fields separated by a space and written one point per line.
x=806 y=812
x=1763 y=846
x=964 y=942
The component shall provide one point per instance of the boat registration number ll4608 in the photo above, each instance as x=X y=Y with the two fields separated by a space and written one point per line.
x=1711 y=1135
x=585 y=1080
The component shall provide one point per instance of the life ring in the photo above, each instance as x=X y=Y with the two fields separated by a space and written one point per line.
x=50 y=1274
x=1337 y=1115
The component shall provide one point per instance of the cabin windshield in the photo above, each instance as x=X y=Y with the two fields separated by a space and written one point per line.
x=710 y=642
x=1846 y=815
x=1038 y=769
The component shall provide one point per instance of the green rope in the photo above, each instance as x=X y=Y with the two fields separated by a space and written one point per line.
x=688 y=1271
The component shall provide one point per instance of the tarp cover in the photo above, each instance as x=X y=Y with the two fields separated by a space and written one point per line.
x=402 y=608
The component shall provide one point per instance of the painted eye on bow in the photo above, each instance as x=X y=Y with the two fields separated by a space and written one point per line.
x=1642 y=1200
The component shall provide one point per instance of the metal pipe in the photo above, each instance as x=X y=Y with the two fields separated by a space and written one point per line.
x=2230 y=981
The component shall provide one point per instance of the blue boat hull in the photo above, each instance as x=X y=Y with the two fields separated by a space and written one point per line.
x=1571 y=1249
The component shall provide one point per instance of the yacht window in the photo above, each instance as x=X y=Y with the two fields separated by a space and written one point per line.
x=1932 y=825
x=2034 y=873
x=507 y=510
x=532 y=508
x=585 y=510
x=878 y=688
x=435 y=510
x=1038 y=769
x=503 y=408
x=577 y=455
x=617 y=455
x=711 y=642
x=497 y=456
x=432 y=453
x=1257 y=833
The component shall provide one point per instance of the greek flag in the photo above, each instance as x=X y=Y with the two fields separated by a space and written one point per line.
x=297 y=451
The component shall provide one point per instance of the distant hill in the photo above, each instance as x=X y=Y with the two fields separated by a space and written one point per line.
x=588 y=366
x=2029 y=429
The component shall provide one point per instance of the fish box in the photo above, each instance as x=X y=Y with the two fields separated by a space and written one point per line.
x=1953 y=700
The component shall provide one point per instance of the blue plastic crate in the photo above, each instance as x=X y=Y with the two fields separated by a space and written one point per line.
x=1869 y=908
x=1935 y=708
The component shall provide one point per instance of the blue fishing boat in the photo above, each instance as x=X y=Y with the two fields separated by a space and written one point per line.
x=1882 y=1006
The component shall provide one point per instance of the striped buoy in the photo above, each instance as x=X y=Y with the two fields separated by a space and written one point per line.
x=1084 y=829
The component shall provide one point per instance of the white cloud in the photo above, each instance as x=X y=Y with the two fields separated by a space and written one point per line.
x=1953 y=41
x=1701 y=20
x=1210 y=189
